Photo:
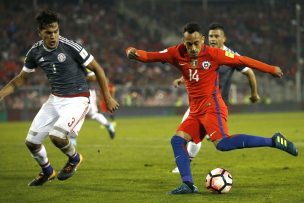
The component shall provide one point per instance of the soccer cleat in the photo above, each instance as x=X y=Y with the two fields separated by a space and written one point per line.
x=42 y=178
x=175 y=170
x=70 y=167
x=111 y=130
x=280 y=142
x=184 y=189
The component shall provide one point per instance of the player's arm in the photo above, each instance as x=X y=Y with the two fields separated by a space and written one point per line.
x=111 y=103
x=253 y=85
x=14 y=84
x=177 y=82
x=147 y=57
x=227 y=58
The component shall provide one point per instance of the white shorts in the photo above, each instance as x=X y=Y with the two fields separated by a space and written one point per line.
x=58 y=116
x=91 y=111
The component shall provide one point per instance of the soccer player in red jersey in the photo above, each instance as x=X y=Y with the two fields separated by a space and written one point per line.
x=199 y=64
x=217 y=39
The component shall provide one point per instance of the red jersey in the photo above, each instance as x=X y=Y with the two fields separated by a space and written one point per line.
x=200 y=73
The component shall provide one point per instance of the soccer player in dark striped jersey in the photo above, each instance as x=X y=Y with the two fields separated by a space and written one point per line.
x=198 y=63
x=217 y=39
x=64 y=63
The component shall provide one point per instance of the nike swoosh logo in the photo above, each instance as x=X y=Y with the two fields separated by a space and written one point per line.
x=182 y=64
x=212 y=133
x=177 y=156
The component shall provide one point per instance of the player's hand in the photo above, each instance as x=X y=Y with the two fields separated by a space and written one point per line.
x=112 y=105
x=278 y=72
x=131 y=53
x=177 y=82
x=254 y=98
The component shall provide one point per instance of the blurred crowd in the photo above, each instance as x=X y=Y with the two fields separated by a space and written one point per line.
x=264 y=30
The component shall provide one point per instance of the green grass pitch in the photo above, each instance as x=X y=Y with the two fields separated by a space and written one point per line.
x=136 y=166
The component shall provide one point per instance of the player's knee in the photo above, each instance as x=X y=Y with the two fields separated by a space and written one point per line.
x=221 y=145
x=59 y=137
x=59 y=142
x=177 y=140
x=59 y=132
x=32 y=147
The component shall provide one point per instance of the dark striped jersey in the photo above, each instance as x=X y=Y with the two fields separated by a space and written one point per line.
x=63 y=66
x=225 y=75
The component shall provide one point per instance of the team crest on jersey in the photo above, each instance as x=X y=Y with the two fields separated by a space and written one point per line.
x=194 y=63
x=206 y=65
x=61 y=57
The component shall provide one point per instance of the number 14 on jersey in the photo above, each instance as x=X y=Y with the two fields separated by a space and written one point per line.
x=193 y=75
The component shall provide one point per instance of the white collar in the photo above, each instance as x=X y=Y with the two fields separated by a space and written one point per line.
x=47 y=49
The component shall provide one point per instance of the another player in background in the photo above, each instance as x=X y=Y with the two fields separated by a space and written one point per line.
x=198 y=64
x=93 y=109
x=103 y=106
x=217 y=39
x=63 y=62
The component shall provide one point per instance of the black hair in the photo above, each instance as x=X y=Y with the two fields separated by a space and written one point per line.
x=192 y=27
x=216 y=26
x=46 y=17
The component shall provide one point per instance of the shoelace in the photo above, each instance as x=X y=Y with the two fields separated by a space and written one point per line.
x=40 y=176
x=68 y=168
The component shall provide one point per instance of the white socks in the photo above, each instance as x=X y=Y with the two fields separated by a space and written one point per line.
x=193 y=149
x=69 y=150
x=41 y=156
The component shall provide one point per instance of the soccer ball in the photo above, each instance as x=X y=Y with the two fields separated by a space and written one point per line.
x=219 y=181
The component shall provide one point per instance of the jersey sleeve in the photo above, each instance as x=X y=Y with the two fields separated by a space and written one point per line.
x=29 y=62
x=81 y=55
x=164 y=56
x=230 y=59
x=242 y=68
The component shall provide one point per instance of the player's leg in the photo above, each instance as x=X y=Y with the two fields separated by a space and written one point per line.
x=192 y=147
x=193 y=150
x=39 y=153
x=99 y=117
x=38 y=132
x=217 y=129
x=240 y=141
x=71 y=112
x=178 y=142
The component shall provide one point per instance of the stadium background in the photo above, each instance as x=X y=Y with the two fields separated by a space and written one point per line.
x=266 y=30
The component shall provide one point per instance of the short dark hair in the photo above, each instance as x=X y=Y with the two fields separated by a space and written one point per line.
x=192 y=27
x=216 y=26
x=45 y=18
